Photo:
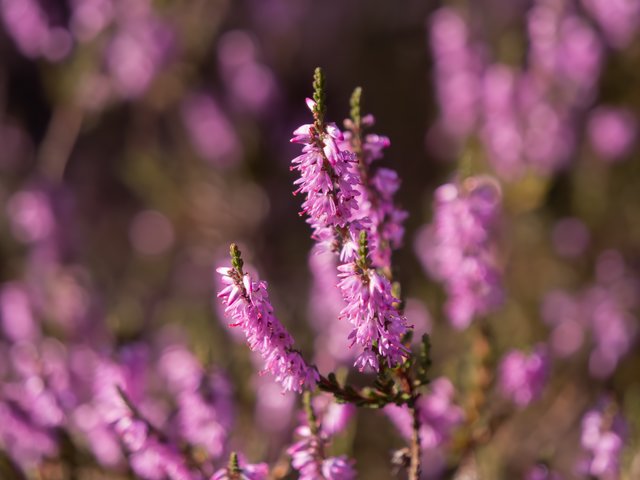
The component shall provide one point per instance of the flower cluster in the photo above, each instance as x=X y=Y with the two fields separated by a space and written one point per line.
x=457 y=72
x=150 y=457
x=204 y=411
x=603 y=435
x=382 y=218
x=308 y=453
x=603 y=308
x=522 y=377
x=617 y=19
x=612 y=132
x=307 y=458
x=370 y=308
x=247 y=303
x=138 y=41
x=103 y=402
x=64 y=379
x=328 y=179
x=525 y=116
x=458 y=248
x=90 y=387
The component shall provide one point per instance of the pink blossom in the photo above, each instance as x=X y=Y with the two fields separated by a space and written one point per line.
x=247 y=303
x=458 y=248
x=603 y=437
x=378 y=327
x=328 y=178
x=612 y=132
x=308 y=458
x=522 y=377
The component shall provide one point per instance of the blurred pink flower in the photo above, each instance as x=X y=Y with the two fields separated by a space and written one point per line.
x=212 y=134
x=523 y=376
x=612 y=132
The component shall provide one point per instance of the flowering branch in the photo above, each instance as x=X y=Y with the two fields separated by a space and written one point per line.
x=351 y=213
x=384 y=218
x=247 y=303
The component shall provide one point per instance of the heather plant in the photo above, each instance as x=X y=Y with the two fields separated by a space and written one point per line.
x=336 y=179
x=447 y=290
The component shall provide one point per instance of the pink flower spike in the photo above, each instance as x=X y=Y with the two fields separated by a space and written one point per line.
x=247 y=304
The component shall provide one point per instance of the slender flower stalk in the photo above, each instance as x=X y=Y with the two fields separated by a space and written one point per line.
x=377 y=188
x=378 y=326
x=328 y=176
x=308 y=454
x=247 y=303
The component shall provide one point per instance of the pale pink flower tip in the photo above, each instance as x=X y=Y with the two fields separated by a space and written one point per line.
x=247 y=303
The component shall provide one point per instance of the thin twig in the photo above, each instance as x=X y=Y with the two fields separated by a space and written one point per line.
x=414 y=449
x=61 y=136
